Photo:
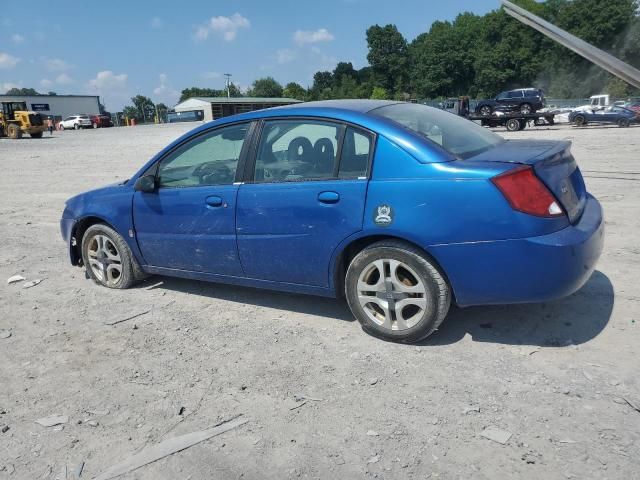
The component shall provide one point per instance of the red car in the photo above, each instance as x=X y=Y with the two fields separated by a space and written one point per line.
x=101 y=121
x=635 y=107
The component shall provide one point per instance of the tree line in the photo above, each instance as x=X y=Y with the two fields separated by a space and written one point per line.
x=479 y=56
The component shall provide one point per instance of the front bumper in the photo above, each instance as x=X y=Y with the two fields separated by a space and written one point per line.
x=535 y=269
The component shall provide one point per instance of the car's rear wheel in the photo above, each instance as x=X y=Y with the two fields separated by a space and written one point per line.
x=485 y=110
x=525 y=109
x=396 y=292
x=107 y=258
x=580 y=120
x=623 y=122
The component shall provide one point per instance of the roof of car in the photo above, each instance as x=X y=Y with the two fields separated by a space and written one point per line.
x=361 y=106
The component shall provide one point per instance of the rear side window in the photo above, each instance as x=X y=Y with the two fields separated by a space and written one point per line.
x=515 y=94
x=458 y=136
x=355 y=154
x=295 y=150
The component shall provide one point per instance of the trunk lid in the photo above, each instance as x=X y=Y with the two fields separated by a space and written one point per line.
x=552 y=162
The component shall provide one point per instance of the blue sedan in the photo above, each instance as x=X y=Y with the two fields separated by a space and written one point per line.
x=401 y=208
x=620 y=116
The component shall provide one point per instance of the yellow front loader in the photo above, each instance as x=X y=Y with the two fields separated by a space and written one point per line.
x=16 y=120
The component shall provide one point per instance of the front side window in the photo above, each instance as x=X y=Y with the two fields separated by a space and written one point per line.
x=210 y=159
x=295 y=150
x=458 y=136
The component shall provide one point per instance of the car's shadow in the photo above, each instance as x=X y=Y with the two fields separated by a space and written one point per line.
x=307 y=304
x=570 y=321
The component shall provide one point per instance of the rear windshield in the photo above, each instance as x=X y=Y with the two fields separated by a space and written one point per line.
x=458 y=136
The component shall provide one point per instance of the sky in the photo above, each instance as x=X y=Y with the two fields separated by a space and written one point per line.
x=117 y=49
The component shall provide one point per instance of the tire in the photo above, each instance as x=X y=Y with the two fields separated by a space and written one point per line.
x=95 y=125
x=513 y=125
x=76 y=126
x=108 y=259
x=623 y=123
x=485 y=110
x=13 y=131
x=36 y=135
x=580 y=121
x=538 y=122
x=526 y=109
x=406 y=272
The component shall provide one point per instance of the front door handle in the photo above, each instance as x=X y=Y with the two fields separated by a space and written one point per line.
x=328 y=197
x=214 y=201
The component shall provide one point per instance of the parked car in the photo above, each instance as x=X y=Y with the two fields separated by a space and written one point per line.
x=623 y=117
x=400 y=207
x=101 y=121
x=522 y=100
x=75 y=122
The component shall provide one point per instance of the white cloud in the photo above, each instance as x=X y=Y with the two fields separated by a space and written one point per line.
x=285 y=55
x=107 y=80
x=111 y=87
x=17 y=38
x=227 y=27
x=56 y=65
x=165 y=92
x=157 y=23
x=302 y=37
x=45 y=82
x=6 y=86
x=64 y=79
x=8 y=61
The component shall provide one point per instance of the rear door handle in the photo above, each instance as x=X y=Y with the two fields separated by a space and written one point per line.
x=328 y=197
x=214 y=201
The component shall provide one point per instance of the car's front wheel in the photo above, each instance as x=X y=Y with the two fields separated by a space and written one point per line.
x=623 y=122
x=107 y=258
x=525 y=109
x=396 y=292
x=77 y=126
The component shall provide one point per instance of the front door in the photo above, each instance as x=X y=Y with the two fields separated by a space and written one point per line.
x=188 y=223
x=302 y=200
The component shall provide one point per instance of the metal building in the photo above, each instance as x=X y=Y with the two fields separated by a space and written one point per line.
x=218 y=107
x=58 y=106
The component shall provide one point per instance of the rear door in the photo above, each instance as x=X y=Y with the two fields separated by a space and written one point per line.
x=188 y=223
x=305 y=192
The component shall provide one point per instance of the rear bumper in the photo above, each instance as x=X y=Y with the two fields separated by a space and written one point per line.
x=534 y=269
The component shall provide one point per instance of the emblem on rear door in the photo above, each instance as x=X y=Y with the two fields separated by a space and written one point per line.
x=383 y=215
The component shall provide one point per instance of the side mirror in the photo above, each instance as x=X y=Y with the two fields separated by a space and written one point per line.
x=146 y=184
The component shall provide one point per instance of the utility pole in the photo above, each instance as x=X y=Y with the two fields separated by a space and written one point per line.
x=228 y=75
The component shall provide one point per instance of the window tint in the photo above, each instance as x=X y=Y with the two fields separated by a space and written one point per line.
x=458 y=136
x=502 y=96
x=293 y=150
x=355 y=154
x=515 y=94
x=211 y=159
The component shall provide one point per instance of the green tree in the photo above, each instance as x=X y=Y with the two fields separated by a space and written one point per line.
x=22 y=91
x=388 y=56
x=378 y=93
x=144 y=106
x=265 y=87
x=294 y=90
x=131 y=112
x=52 y=93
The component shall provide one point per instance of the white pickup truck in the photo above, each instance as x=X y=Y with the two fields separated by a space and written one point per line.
x=597 y=102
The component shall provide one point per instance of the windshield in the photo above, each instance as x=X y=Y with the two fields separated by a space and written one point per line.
x=458 y=136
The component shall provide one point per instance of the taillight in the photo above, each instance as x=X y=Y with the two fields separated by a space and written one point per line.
x=526 y=193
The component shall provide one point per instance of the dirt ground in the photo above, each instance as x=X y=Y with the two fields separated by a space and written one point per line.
x=322 y=399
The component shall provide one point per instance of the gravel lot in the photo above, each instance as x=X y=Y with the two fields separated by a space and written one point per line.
x=561 y=377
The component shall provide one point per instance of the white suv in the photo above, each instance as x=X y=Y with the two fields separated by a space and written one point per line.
x=76 y=122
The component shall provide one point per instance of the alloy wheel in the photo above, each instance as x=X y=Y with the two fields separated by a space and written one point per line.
x=392 y=294
x=104 y=260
